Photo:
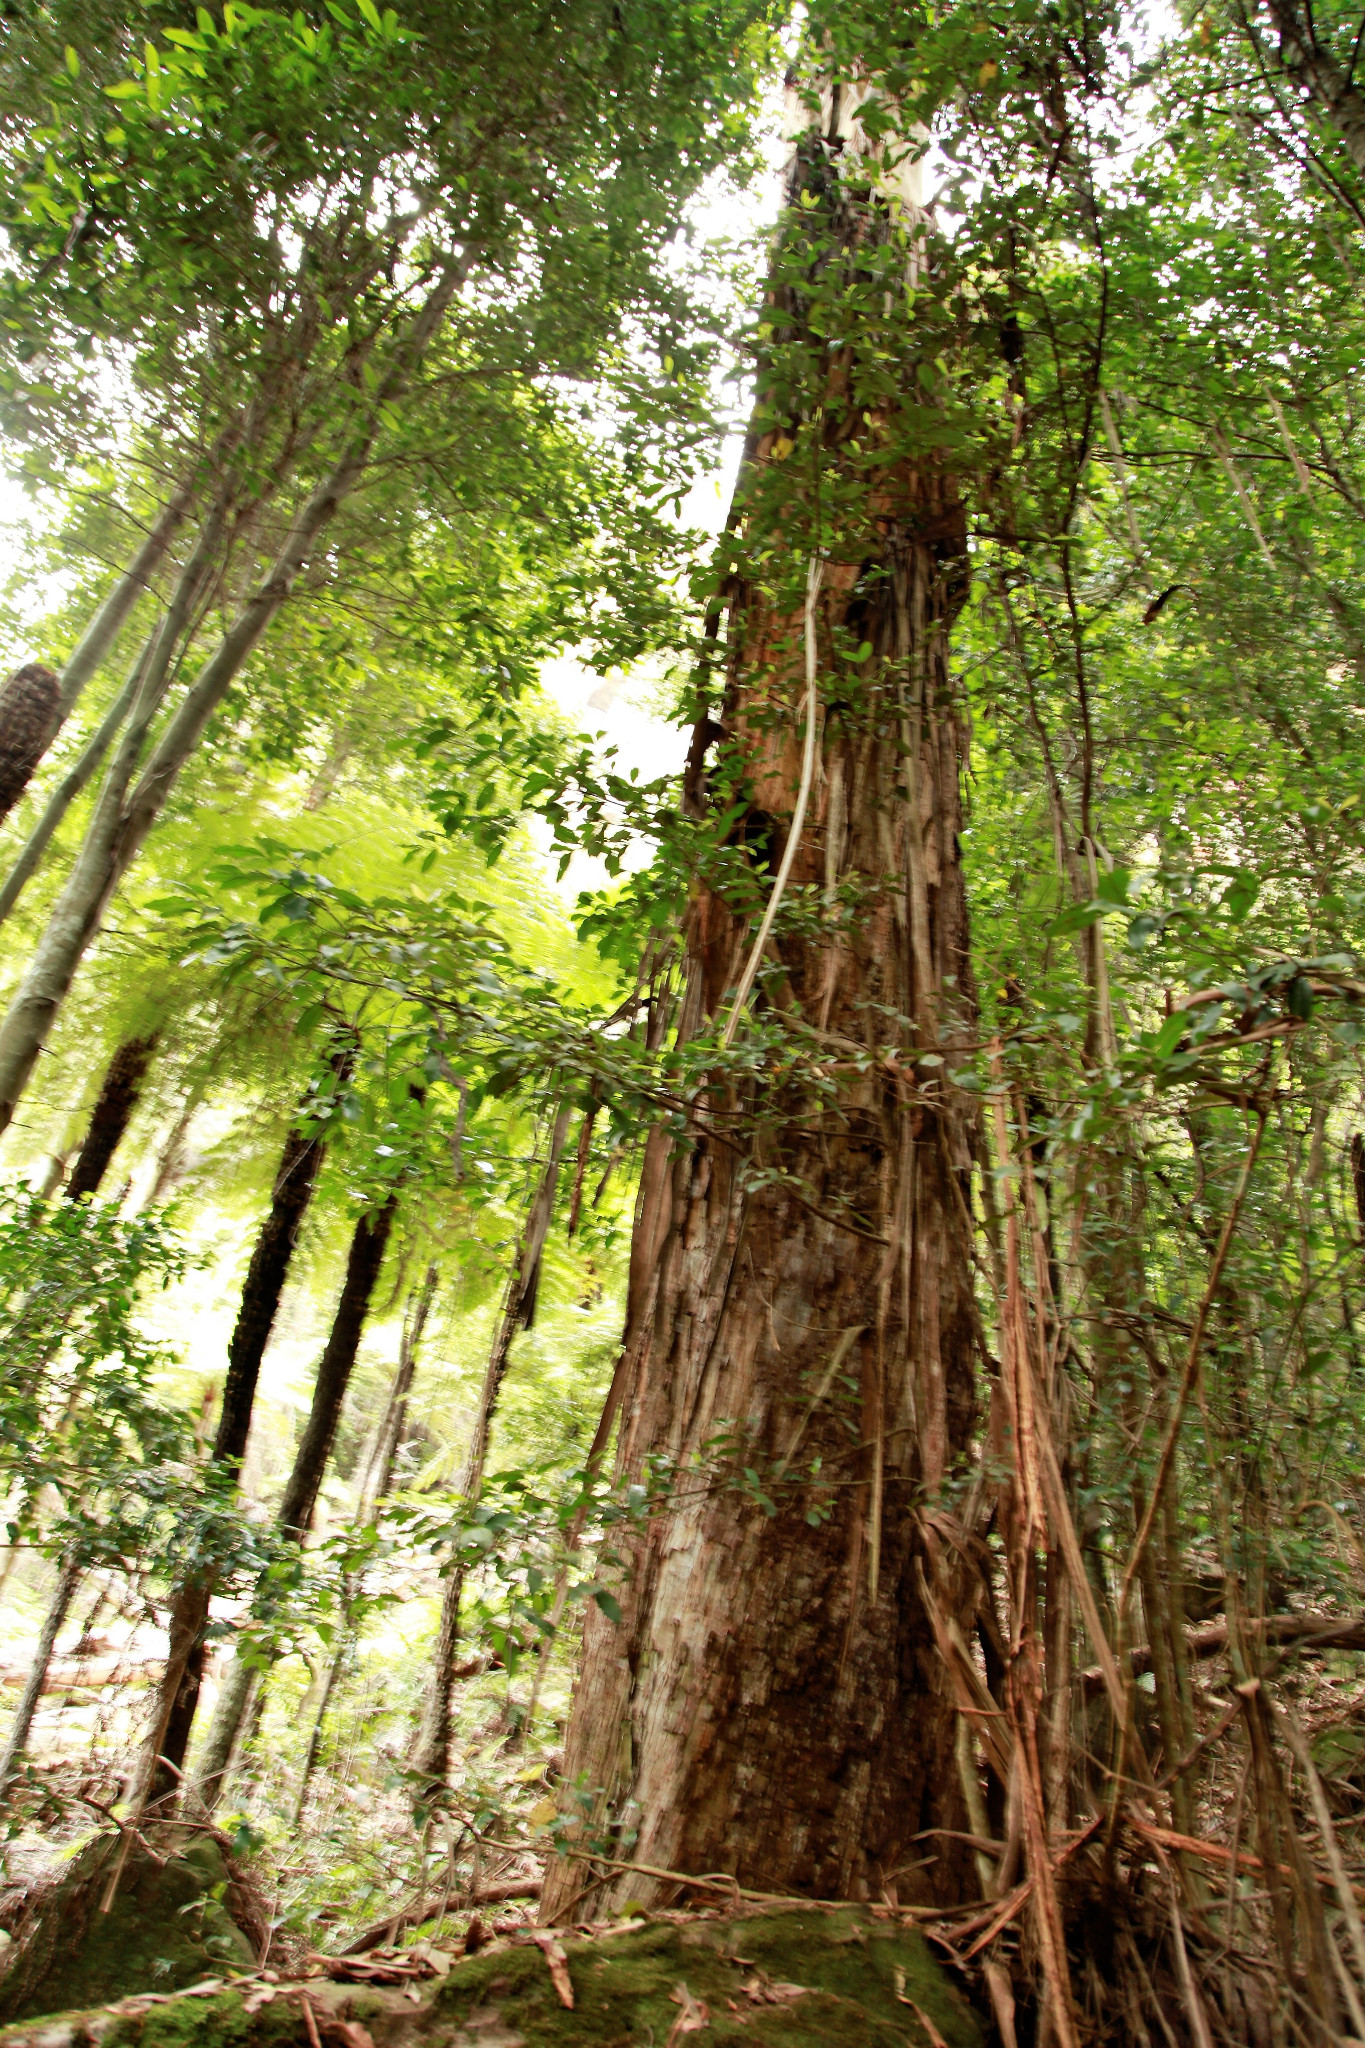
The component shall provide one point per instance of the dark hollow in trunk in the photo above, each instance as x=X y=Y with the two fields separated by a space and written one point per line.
x=770 y=1704
x=30 y=712
x=113 y=1110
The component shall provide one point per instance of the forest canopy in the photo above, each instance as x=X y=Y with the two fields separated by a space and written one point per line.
x=682 y=1195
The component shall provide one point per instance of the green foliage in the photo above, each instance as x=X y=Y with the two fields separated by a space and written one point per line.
x=81 y=1411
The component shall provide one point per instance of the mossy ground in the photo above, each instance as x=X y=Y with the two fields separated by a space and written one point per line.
x=862 y=1978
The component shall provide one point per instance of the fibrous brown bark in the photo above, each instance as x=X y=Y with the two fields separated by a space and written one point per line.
x=109 y=1119
x=30 y=707
x=800 y=1279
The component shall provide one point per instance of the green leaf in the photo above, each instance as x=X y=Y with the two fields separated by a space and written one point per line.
x=609 y=1605
x=1077 y=918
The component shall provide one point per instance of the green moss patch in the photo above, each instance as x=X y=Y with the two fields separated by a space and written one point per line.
x=860 y=1980
x=797 y=1978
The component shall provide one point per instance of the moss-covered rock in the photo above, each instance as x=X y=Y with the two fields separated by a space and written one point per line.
x=859 y=1981
x=169 y=1925
x=797 y=1978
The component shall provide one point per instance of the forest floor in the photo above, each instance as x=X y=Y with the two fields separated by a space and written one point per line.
x=795 y=1977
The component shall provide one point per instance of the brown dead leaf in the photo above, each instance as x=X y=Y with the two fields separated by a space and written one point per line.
x=761 y=1990
x=695 y=2015
x=553 y=1952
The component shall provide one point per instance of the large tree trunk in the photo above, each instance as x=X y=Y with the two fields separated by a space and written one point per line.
x=369 y=1241
x=431 y=1750
x=800 y=1287
x=113 y=1110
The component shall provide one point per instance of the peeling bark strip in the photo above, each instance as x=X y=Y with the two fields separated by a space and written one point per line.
x=113 y=1111
x=770 y=1705
x=29 y=711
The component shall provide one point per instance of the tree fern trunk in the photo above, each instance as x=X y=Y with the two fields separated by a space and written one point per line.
x=113 y=1111
x=369 y=1240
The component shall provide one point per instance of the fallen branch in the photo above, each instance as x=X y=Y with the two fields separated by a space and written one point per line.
x=1314 y=1631
x=431 y=1903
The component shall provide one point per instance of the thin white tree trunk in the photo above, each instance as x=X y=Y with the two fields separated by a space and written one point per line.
x=431 y=1749
x=117 y=831
x=21 y=1727
x=100 y=635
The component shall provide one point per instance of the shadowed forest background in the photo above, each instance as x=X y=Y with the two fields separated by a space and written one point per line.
x=683 y=1178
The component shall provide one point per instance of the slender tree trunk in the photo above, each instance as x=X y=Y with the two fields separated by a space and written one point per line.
x=80 y=906
x=113 y=1110
x=374 y=1491
x=770 y=1704
x=122 y=820
x=369 y=1240
x=292 y=1192
x=431 y=1750
x=28 y=719
x=171 y=1163
x=35 y=701
x=108 y=622
x=17 y=1741
x=295 y=1179
x=389 y=1437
